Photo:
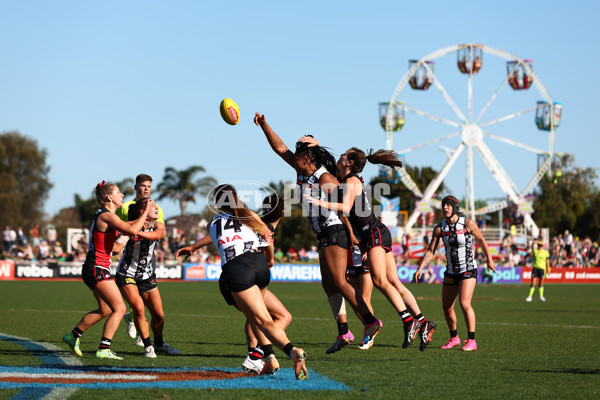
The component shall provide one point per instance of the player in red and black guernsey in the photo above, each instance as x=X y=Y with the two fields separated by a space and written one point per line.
x=105 y=228
x=376 y=239
x=315 y=169
x=460 y=277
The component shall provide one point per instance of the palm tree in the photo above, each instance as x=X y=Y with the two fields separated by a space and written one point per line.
x=179 y=185
x=126 y=187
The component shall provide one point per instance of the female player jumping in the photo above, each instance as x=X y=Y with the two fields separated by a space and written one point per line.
x=315 y=169
x=375 y=237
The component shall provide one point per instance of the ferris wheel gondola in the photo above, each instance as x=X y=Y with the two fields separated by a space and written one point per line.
x=468 y=127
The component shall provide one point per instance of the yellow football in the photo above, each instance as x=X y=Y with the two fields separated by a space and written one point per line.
x=230 y=112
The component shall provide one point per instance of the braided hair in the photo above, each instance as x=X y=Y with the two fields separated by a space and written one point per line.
x=318 y=155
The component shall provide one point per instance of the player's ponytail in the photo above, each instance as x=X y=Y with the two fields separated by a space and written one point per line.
x=388 y=158
x=226 y=199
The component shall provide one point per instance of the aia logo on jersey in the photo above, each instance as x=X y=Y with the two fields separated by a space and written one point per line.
x=461 y=231
x=229 y=240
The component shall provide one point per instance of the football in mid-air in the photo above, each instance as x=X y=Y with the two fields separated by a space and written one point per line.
x=230 y=112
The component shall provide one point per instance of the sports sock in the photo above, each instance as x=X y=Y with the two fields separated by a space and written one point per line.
x=368 y=318
x=255 y=353
x=454 y=333
x=471 y=336
x=158 y=341
x=420 y=318
x=147 y=341
x=267 y=349
x=105 y=343
x=342 y=328
x=406 y=318
x=287 y=349
x=77 y=332
x=541 y=291
x=531 y=290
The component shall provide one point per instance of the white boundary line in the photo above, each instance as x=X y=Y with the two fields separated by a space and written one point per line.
x=67 y=357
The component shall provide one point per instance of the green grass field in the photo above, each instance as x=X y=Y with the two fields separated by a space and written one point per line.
x=526 y=350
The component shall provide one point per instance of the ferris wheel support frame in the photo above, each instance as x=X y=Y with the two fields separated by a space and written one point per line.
x=471 y=136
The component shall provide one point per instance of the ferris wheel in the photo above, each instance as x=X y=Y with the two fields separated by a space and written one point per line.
x=473 y=127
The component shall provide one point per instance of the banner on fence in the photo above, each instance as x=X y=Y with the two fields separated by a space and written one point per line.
x=7 y=270
x=10 y=270
x=567 y=275
x=69 y=270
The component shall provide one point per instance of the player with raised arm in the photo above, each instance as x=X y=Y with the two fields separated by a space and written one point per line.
x=315 y=169
x=376 y=238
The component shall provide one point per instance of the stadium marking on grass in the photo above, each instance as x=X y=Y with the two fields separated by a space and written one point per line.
x=62 y=374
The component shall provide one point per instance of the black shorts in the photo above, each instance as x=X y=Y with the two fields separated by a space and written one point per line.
x=355 y=266
x=334 y=235
x=454 y=279
x=143 y=285
x=355 y=272
x=92 y=276
x=243 y=272
x=377 y=235
x=538 y=273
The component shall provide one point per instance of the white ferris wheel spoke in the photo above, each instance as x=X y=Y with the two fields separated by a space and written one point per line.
x=409 y=149
x=408 y=182
x=471 y=93
x=510 y=116
x=470 y=182
x=538 y=176
x=514 y=143
x=432 y=116
x=492 y=208
x=445 y=94
x=491 y=100
x=472 y=132
x=435 y=183
x=506 y=184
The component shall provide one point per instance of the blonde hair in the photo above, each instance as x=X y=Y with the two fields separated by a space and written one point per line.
x=226 y=200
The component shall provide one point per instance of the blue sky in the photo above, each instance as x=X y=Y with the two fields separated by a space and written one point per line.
x=111 y=89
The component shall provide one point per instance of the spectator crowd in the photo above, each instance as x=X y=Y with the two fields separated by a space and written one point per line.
x=565 y=250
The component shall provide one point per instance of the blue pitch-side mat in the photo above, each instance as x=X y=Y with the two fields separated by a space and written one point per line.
x=24 y=377
x=283 y=380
